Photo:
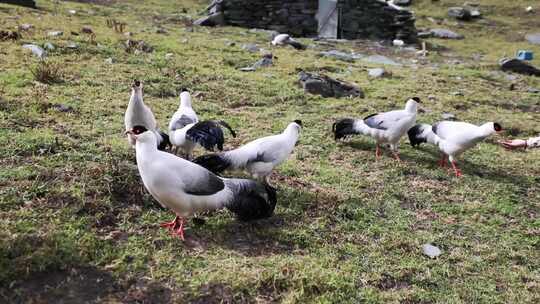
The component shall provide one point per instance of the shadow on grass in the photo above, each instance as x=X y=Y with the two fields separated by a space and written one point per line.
x=48 y=269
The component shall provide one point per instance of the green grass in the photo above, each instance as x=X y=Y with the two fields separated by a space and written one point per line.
x=347 y=228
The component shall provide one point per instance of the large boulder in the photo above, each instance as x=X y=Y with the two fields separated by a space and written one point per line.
x=27 y=3
x=211 y=20
x=518 y=66
x=328 y=87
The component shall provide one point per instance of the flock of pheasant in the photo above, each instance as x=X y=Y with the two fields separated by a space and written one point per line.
x=189 y=186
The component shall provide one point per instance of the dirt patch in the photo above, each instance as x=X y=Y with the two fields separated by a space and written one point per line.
x=217 y=293
x=389 y=282
x=83 y=285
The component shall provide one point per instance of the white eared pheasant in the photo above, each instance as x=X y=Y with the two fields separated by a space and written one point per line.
x=187 y=188
x=452 y=138
x=258 y=157
x=284 y=39
x=186 y=131
x=137 y=113
x=387 y=127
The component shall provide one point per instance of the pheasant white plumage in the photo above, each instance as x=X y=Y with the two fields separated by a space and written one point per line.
x=387 y=127
x=452 y=138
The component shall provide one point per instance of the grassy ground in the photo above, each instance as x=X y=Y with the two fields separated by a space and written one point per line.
x=76 y=225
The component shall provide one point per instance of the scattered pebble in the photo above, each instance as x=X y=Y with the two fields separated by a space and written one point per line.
x=168 y=56
x=72 y=12
x=72 y=45
x=62 y=108
x=55 y=33
x=36 y=50
x=448 y=116
x=398 y=42
x=25 y=27
x=431 y=251
x=378 y=73
x=87 y=30
x=533 y=90
x=49 y=46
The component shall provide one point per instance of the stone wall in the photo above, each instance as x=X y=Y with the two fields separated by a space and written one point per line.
x=296 y=17
x=372 y=19
x=375 y=19
x=27 y=3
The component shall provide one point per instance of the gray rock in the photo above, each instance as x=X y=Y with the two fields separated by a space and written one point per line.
x=55 y=33
x=211 y=20
x=266 y=61
x=25 y=27
x=377 y=73
x=459 y=13
x=36 y=50
x=475 y=13
x=62 y=107
x=340 y=55
x=379 y=59
x=448 y=116
x=533 y=90
x=328 y=87
x=250 y=47
x=49 y=46
x=457 y=93
x=431 y=251
x=109 y=60
x=445 y=34
x=72 y=45
x=518 y=66
x=87 y=30
x=533 y=38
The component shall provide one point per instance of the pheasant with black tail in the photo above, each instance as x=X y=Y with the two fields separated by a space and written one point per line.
x=187 y=188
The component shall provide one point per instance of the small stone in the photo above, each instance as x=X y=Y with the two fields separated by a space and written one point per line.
x=55 y=33
x=72 y=12
x=533 y=90
x=457 y=93
x=62 y=108
x=398 y=42
x=72 y=45
x=49 y=46
x=168 y=56
x=533 y=38
x=109 y=60
x=432 y=98
x=377 y=73
x=184 y=40
x=445 y=34
x=87 y=30
x=36 y=50
x=448 y=116
x=251 y=47
x=529 y=9
x=25 y=27
x=459 y=13
x=230 y=43
x=431 y=251
x=128 y=34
